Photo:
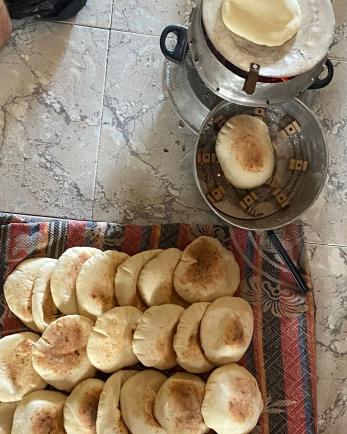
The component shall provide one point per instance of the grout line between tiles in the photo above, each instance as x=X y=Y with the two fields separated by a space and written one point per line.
x=101 y=116
x=312 y=243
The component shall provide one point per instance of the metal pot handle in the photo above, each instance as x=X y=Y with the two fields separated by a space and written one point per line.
x=320 y=83
x=178 y=53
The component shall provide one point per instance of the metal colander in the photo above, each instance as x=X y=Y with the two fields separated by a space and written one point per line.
x=299 y=175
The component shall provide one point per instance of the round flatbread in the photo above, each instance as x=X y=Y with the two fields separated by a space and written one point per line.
x=137 y=399
x=40 y=413
x=232 y=401
x=245 y=152
x=44 y=310
x=110 y=343
x=153 y=337
x=81 y=407
x=270 y=23
x=7 y=410
x=178 y=405
x=187 y=346
x=64 y=276
x=226 y=330
x=18 y=289
x=109 y=419
x=17 y=375
x=95 y=283
x=155 y=281
x=60 y=355
x=126 y=279
x=206 y=271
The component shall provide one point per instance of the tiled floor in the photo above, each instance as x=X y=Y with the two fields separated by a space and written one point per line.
x=86 y=131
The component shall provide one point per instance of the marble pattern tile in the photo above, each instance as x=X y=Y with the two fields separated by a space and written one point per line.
x=145 y=165
x=339 y=50
x=149 y=16
x=329 y=273
x=96 y=13
x=326 y=221
x=50 y=118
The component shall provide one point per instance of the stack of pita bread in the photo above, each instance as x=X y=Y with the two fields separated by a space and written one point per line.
x=94 y=312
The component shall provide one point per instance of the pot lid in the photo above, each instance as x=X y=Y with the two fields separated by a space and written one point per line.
x=297 y=56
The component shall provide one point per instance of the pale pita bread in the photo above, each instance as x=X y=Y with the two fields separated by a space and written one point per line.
x=19 y=286
x=126 y=279
x=64 y=276
x=95 y=283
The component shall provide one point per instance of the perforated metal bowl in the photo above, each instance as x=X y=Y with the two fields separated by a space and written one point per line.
x=299 y=175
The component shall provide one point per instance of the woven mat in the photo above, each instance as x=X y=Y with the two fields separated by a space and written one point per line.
x=282 y=353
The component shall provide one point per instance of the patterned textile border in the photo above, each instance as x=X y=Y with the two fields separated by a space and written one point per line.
x=282 y=353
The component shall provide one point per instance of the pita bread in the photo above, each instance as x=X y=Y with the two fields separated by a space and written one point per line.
x=19 y=286
x=187 y=346
x=137 y=398
x=206 y=271
x=153 y=337
x=232 y=402
x=44 y=310
x=17 y=375
x=60 y=355
x=81 y=407
x=155 y=281
x=40 y=413
x=95 y=283
x=226 y=330
x=7 y=410
x=126 y=279
x=110 y=342
x=64 y=276
x=109 y=419
x=245 y=152
x=178 y=404
x=272 y=23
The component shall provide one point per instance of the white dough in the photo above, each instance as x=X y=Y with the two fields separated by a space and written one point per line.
x=265 y=22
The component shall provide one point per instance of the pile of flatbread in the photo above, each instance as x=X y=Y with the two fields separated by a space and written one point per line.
x=94 y=312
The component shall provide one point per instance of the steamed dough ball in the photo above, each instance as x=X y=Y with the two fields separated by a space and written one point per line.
x=226 y=330
x=110 y=342
x=40 y=412
x=17 y=374
x=245 y=152
x=268 y=22
x=178 y=404
x=206 y=271
x=80 y=410
x=60 y=355
x=232 y=401
x=137 y=399
x=187 y=340
x=153 y=337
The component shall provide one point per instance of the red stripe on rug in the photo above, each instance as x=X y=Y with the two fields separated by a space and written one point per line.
x=132 y=239
x=155 y=236
x=312 y=353
x=75 y=235
x=183 y=238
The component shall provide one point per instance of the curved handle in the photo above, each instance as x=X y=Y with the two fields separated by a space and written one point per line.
x=178 y=53
x=320 y=83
